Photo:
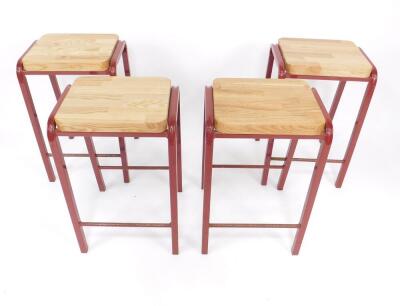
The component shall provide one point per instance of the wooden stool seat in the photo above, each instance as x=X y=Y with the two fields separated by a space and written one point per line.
x=71 y=52
x=115 y=104
x=321 y=57
x=266 y=106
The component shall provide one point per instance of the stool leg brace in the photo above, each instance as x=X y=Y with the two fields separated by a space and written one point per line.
x=275 y=55
x=174 y=167
x=120 y=50
x=210 y=134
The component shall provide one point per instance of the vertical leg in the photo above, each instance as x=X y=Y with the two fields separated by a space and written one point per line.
x=54 y=84
x=286 y=166
x=121 y=140
x=179 y=150
x=209 y=144
x=336 y=99
x=356 y=130
x=125 y=59
x=68 y=193
x=172 y=155
x=203 y=149
x=311 y=195
x=23 y=82
x=124 y=159
x=267 y=161
x=95 y=163
x=270 y=64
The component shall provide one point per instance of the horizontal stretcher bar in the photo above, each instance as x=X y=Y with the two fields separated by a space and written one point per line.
x=112 y=134
x=135 y=167
x=254 y=225
x=246 y=166
x=119 y=224
x=86 y=155
x=299 y=159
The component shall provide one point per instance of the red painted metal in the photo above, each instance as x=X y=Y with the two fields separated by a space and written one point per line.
x=135 y=167
x=254 y=225
x=119 y=50
x=54 y=84
x=26 y=93
x=267 y=162
x=276 y=55
x=311 y=195
x=210 y=134
x=208 y=160
x=125 y=59
x=336 y=99
x=270 y=65
x=246 y=166
x=171 y=134
x=87 y=155
x=95 y=163
x=64 y=177
x=286 y=166
x=310 y=160
x=179 y=150
x=204 y=146
x=123 y=224
x=124 y=159
x=173 y=119
x=114 y=134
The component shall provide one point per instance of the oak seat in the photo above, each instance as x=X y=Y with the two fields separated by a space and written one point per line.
x=266 y=106
x=322 y=57
x=115 y=104
x=71 y=52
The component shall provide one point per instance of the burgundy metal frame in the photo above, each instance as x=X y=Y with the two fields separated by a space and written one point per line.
x=275 y=55
x=210 y=134
x=173 y=135
x=119 y=50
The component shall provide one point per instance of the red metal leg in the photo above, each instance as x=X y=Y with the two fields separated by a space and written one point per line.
x=203 y=149
x=172 y=154
x=311 y=195
x=124 y=159
x=95 y=163
x=336 y=99
x=125 y=59
x=54 y=84
x=67 y=189
x=356 y=130
x=23 y=82
x=179 y=149
x=172 y=134
x=270 y=64
x=121 y=140
x=288 y=161
x=209 y=143
x=267 y=161
x=208 y=160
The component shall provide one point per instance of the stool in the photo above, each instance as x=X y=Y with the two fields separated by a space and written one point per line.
x=69 y=54
x=106 y=106
x=319 y=59
x=264 y=109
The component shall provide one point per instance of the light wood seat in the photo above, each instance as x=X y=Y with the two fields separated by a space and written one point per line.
x=321 y=57
x=71 y=52
x=115 y=104
x=266 y=106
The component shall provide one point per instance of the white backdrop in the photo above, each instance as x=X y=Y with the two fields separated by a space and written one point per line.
x=350 y=254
